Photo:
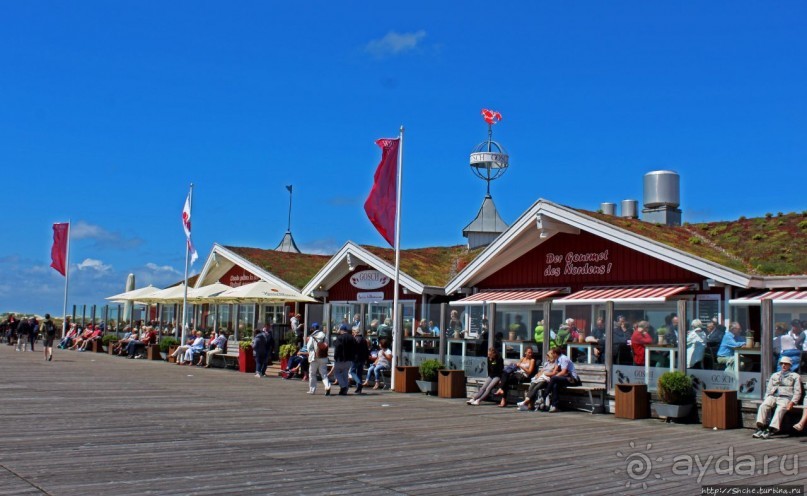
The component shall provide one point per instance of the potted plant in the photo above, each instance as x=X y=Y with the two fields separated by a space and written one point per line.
x=428 y=375
x=109 y=340
x=286 y=351
x=246 y=361
x=662 y=336
x=676 y=393
x=168 y=345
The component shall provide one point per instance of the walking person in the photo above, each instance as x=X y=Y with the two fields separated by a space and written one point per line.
x=317 y=360
x=34 y=332
x=23 y=330
x=344 y=356
x=259 y=349
x=48 y=335
x=362 y=353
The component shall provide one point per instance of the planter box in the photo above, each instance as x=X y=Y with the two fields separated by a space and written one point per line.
x=672 y=411
x=171 y=350
x=111 y=346
x=405 y=377
x=427 y=387
x=246 y=361
x=284 y=362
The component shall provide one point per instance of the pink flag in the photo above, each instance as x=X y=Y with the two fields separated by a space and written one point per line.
x=382 y=200
x=58 y=252
x=186 y=225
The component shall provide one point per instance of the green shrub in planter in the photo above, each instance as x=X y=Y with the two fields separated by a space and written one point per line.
x=167 y=342
x=676 y=388
x=428 y=369
x=108 y=338
x=245 y=344
x=287 y=350
x=290 y=337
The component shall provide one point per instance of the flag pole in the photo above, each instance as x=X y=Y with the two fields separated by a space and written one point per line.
x=396 y=336
x=66 y=279
x=289 y=187
x=185 y=295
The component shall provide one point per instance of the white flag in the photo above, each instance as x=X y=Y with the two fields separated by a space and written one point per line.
x=186 y=225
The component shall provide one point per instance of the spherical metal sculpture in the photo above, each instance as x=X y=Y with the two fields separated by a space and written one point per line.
x=489 y=159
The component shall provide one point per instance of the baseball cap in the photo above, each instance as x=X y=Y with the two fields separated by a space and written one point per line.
x=785 y=360
x=315 y=326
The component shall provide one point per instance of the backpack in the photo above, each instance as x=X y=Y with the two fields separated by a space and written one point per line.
x=322 y=349
x=50 y=329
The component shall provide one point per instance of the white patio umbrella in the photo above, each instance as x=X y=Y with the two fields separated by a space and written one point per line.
x=260 y=291
x=134 y=295
x=203 y=293
x=174 y=294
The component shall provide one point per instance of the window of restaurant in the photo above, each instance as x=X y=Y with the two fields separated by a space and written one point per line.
x=274 y=314
x=224 y=317
x=246 y=320
x=167 y=315
x=641 y=355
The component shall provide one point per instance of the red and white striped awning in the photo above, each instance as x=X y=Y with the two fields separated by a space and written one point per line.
x=623 y=294
x=788 y=297
x=509 y=297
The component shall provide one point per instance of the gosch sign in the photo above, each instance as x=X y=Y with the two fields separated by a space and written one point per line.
x=368 y=279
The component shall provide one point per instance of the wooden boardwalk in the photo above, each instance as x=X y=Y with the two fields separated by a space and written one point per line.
x=89 y=424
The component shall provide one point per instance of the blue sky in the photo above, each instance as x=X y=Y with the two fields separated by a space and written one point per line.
x=110 y=109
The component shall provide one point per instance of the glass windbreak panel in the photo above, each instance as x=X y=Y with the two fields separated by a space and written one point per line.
x=645 y=343
x=167 y=316
x=463 y=351
x=789 y=335
x=737 y=357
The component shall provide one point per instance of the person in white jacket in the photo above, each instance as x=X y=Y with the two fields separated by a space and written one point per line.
x=696 y=346
x=316 y=362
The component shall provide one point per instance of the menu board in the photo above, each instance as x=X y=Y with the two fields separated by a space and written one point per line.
x=475 y=316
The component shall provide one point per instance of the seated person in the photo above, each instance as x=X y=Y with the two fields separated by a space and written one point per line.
x=515 y=373
x=423 y=328
x=218 y=345
x=566 y=376
x=83 y=336
x=197 y=346
x=297 y=364
x=598 y=338
x=784 y=391
x=381 y=363
x=695 y=345
x=731 y=341
x=67 y=340
x=95 y=336
x=179 y=353
x=536 y=394
x=435 y=330
x=120 y=347
x=150 y=337
x=495 y=365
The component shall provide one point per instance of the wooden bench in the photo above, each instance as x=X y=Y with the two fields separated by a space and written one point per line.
x=592 y=382
x=230 y=358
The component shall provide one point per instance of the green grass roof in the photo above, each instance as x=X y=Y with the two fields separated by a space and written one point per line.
x=770 y=245
x=294 y=268
x=432 y=266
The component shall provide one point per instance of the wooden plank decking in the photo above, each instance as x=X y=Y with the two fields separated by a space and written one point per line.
x=94 y=424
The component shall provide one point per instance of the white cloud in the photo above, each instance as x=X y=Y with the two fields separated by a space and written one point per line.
x=96 y=265
x=161 y=268
x=394 y=43
x=84 y=230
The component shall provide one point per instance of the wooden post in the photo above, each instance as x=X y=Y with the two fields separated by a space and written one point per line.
x=442 y=352
x=683 y=327
x=766 y=340
x=609 y=345
x=491 y=316
x=547 y=325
